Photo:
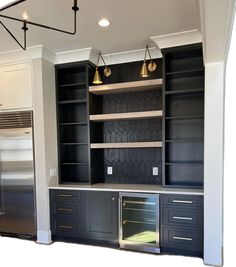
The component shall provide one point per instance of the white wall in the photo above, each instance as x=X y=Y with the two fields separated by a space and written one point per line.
x=213 y=163
x=45 y=137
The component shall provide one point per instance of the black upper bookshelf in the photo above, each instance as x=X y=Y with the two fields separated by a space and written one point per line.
x=73 y=124
x=183 y=116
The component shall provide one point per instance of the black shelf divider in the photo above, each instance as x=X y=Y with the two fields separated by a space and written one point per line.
x=184 y=140
x=185 y=72
x=73 y=123
x=185 y=117
x=184 y=91
x=77 y=101
x=73 y=84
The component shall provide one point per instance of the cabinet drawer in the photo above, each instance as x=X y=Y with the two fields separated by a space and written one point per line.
x=182 y=217
x=66 y=208
x=181 y=238
x=65 y=226
x=65 y=195
x=183 y=200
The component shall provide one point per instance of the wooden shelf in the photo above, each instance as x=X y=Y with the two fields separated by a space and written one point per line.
x=126 y=145
x=126 y=87
x=127 y=116
x=184 y=91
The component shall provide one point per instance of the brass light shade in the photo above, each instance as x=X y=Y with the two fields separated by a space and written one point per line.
x=144 y=70
x=107 y=71
x=97 y=77
x=152 y=66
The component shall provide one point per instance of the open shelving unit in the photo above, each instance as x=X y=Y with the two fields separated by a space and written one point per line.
x=73 y=124
x=125 y=130
x=183 y=120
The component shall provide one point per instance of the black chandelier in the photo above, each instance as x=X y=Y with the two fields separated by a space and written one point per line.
x=25 y=22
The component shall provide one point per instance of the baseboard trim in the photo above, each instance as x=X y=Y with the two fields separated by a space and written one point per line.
x=44 y=237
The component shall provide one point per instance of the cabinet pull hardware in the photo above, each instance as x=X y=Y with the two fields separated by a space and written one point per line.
x=113 y=198
x=64 y=209
x=65 y=195
x=183 y=201
x=127 y=221
x=65 y=227
x=138 y=202
x=183 y=218
x=183 y=238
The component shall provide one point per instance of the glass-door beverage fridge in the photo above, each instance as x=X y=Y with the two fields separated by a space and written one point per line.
x=139 y=222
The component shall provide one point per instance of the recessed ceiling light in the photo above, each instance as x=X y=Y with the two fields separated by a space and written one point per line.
x=104 y=22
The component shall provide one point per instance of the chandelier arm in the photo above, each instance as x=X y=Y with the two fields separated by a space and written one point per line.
x=22 y=46
x=11 y=5
x=74 y=8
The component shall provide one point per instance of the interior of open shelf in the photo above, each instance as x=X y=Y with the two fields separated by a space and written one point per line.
x=75 y=112
x=126 y=131
x=178 y=60
x=186 y=104
x=129 y=166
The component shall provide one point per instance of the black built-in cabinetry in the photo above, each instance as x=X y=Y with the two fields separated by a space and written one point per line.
x=131 y=129
x=84 y=215
x=182 y=224
x=73 y=123
x=183 y=118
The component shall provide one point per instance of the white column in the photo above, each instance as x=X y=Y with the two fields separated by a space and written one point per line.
x=213 y=163
x=45 y=140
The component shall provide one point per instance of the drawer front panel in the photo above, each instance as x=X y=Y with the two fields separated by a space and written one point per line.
x=183 y=200
x=65 y=195
x=65 y=226
x=180 y=238
x=181 y=217
x=65 y=208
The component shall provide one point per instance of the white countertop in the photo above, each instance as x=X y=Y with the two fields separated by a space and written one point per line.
x=129 y=188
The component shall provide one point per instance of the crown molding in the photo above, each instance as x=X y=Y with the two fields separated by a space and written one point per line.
x=130 y=56
x=20 y=55
x=177 y=39
x=73 y=56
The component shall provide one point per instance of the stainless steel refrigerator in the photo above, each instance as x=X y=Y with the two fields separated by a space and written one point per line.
x=17 y=183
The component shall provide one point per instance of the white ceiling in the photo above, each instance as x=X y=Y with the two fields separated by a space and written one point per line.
x=133 y=22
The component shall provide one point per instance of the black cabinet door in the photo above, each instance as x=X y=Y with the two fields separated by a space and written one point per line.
x=100 y=215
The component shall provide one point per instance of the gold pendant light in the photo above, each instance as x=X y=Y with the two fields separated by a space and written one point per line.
x=97 y=78
x=107 y=71
x=145 y=69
